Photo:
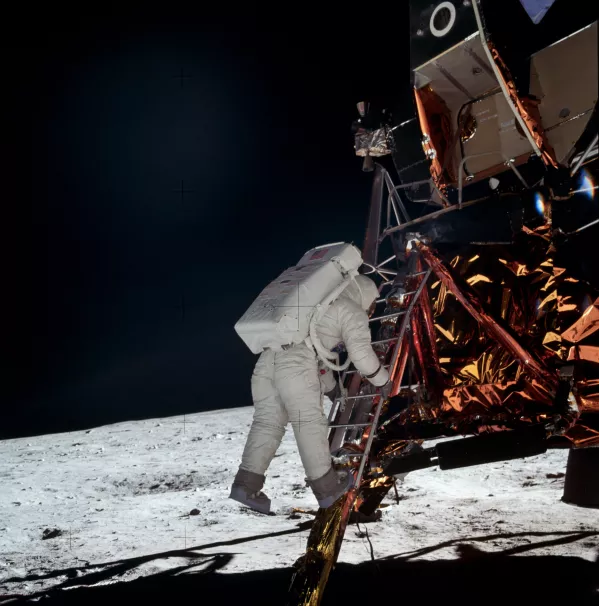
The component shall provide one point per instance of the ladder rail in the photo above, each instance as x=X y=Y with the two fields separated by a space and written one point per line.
x=398 y=338
x=379 y=406
x=307 y=585
x=406 y=318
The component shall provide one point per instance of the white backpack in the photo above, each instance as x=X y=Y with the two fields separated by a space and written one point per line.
x=286 y=311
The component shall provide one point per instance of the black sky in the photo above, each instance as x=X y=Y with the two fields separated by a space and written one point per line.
x=121 y=293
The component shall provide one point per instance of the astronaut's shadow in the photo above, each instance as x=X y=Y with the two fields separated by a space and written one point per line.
x=476 y=577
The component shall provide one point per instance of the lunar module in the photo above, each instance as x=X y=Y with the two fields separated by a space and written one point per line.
x=482 y=234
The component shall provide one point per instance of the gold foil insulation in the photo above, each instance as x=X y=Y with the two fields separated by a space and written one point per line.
x=505 y=318
x=435 y=123
x=313 y=568
x=487 y=341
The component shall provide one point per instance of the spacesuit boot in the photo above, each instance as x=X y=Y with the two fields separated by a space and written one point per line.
x=246 y=490
x=330 y=487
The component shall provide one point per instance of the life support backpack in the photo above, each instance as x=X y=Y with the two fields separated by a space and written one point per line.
x=287 y=310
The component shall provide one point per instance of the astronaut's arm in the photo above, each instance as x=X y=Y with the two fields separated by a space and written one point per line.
x=356 y=336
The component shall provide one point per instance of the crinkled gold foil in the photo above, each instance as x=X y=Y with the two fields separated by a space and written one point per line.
x=590 y=353
x=487 y=376
x=313 y=568
x=582 y=436
x=488 y=352
x=585 y=326
x=589 y=404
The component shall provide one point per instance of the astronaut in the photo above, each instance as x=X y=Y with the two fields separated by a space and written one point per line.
x=288 y=386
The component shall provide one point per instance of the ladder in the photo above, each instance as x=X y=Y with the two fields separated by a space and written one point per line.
x=357 y=413
x=344 y=408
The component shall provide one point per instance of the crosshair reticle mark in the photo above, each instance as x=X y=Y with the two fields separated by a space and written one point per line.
x=296 y=306
x=182 y=77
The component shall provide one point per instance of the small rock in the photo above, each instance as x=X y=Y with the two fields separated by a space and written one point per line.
x=51 y=533
x=559 y=474
x=194 y=512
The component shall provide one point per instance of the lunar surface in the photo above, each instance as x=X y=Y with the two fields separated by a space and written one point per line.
x=72 y=505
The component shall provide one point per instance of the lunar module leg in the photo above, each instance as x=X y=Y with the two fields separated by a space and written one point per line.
x=362 y=419
x=356 y=415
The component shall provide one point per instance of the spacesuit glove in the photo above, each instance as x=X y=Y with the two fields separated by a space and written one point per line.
x=385 y=389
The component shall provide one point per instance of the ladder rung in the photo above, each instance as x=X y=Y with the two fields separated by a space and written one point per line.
x=409 y=387
x=394 y=315
x=384 y=341
x=368 y=395
x=353 y=372
x=351 y=425
x=405 y=294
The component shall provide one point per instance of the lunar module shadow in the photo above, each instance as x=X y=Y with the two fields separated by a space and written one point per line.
x=512 y=576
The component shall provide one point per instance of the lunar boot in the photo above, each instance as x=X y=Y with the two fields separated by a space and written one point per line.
x=328 y=488
x=246 y=490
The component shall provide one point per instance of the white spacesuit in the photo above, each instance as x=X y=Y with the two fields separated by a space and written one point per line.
x=288 y=386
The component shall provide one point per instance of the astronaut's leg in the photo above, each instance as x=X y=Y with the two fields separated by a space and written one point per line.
x=266 y=433
x=297 y=380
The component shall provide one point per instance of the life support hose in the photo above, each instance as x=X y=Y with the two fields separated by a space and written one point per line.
x=328 y=358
